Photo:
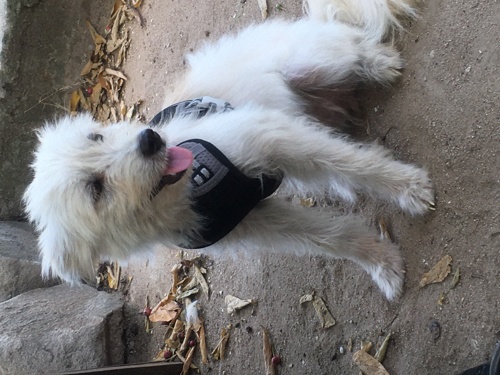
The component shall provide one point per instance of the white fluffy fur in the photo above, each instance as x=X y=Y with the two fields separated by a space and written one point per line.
x=258 y=71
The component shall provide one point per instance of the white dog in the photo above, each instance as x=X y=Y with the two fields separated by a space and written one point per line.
x=108 y=192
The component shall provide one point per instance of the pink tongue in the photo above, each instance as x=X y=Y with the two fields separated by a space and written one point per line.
x=179 y=159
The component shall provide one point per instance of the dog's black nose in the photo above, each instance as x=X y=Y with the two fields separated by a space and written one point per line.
x=150 y=142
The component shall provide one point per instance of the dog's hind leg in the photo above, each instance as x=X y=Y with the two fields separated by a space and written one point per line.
x=331 y=55
x=275 y=225
x=268 y=63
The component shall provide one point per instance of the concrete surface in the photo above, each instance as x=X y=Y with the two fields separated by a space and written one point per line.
x=444 y=114
x=49 y=331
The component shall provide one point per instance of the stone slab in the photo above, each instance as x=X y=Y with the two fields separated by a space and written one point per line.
x=60 y=329
x=20 y=269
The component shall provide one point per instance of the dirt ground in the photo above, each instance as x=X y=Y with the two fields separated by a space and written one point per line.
x=443 y=114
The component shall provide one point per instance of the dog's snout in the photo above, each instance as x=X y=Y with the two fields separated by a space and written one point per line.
x=150 y=142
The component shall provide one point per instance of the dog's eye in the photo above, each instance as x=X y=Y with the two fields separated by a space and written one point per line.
x=95 y=137
x=96 y=188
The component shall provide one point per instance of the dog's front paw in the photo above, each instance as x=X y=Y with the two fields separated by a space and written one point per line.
x=383 y=63
x=389 y=280
x=389 y=271
x=419 y=197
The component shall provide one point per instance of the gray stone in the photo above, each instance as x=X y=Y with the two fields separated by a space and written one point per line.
x=18 y=241
x=20 y=270
x=63 y=328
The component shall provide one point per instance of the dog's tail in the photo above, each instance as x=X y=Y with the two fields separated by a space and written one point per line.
x=377 y=17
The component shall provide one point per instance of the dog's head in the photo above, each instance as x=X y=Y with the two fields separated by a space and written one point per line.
x=98 y=191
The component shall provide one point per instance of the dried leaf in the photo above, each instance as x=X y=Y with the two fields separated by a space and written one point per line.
x=116 y=6
x=187 y=362
x=89 y=67
x=380 y=353
x=95 y=97
x=123 y=110
x=123 y=51
x=113 y=276
x=324 y=315
x=137 y=15
x=187 y=293
x=367 y=364
x=175 y=276
x=94 y=34
x=234 y=304
x=103 y=114
x=85 y=103
x=115 y=95
x=366 y=346
x=172 y=341
x=130 y=113
x=189 y=323
x=114 y=45
x=74 y=101
x=165 y=311
x=115 y=28
x=115 y=73
x=456 y=278
x=438 y=273
x=201 y=281
x=189 y=283
x=219 y=352
x=268 y=352
x=306 y=298
x=108 y=55
x=136 y=3
x=158 y=357
x=178 y=328
x=103 y=81
x=442 y=298
x=185 y=342
x=113 y=115
x=200 y=333
x=98 y=54
x=124 y=15
x=92 y=76
x=263 y=8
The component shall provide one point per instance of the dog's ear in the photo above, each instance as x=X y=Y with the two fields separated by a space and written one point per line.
x=63 y=257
